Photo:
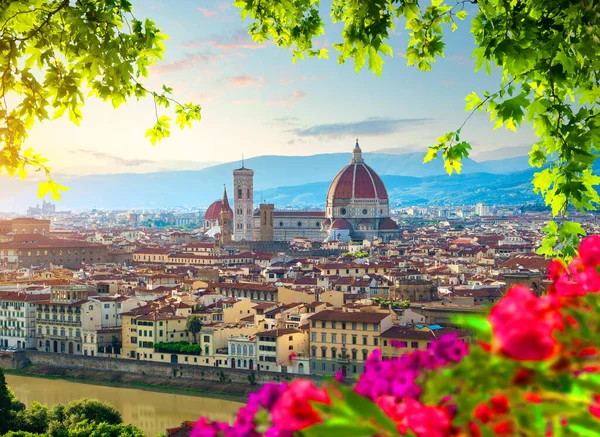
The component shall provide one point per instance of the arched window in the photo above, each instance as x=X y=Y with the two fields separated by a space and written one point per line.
x=62 y=332
x=245 y=350
x=239 y=350
x=251 y=350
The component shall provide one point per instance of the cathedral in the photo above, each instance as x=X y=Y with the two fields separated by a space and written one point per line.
x=357 y=208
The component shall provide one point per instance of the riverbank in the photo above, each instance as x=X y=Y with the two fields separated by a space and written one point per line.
x=231 y=391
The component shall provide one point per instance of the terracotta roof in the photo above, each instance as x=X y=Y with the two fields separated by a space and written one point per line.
x=340 y=316
x=398 y=332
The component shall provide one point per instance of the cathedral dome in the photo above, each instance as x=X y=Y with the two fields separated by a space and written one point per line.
x=214 y=211
x=356 y=181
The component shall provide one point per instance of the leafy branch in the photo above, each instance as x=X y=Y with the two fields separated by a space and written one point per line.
x=51 y=50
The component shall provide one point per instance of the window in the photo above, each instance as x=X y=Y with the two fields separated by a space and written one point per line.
x=323 y=337
x=364 y=211
x=324 y=353
x=343 y=325
x=354 y=339
x=353 y=326
x=365 y=326
x=385 y=342
x=375 y=341
x=334 y=338
x=343 y=338
x=414 y=344
x=364 y=355
x=313 y=336
x=314 y=323
x=365 y=340
x=354 y=354
x=323 y=324
x=206 y=339
x=333 y=325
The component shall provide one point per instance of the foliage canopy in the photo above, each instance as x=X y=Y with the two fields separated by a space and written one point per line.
x=547 y=50
x=54 y=54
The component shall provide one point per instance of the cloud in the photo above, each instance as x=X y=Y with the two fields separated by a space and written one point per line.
x=245 y=101
x=207 y=12
x=244 y=81
x=115 y=159
x=289 y=100
x=240 y=40
x=373 y=126
x=287 y=120
x=188 y=60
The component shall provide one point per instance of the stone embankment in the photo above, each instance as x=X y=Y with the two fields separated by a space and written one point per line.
x=225 y=381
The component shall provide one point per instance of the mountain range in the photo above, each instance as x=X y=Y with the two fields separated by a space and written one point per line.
x=290 y=181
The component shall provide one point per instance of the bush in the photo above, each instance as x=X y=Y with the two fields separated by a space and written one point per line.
x=535 y=371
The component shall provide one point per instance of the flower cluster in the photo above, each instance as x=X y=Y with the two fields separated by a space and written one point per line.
x=288 y=409
x=397 y=377
x=534 y=371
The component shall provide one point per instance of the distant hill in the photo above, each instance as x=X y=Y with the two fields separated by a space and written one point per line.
x=434 y=190
x=286 y=180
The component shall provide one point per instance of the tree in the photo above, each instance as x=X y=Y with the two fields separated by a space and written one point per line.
x=549 y=56
x=34 y=419
x=5 y=405
x=193 y=325
x=114 y=341
x=64 y=417
x=55 y=53
x=103 y=429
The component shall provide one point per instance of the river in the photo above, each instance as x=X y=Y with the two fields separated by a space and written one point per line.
x=151 y=411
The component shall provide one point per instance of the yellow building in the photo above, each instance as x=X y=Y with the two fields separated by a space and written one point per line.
x=400 y=339
x=343 y=340
x=161 y=321
x=278 y=349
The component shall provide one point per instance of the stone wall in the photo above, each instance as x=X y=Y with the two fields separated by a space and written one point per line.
x=13 y=361
x=150 y=369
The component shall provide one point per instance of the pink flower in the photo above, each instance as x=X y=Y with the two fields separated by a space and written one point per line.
x=292 y=411
x=422 y=420
x=589 y=251
x=523 y=324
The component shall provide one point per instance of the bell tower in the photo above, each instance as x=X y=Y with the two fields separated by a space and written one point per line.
x=225 y=220
x=243 y=203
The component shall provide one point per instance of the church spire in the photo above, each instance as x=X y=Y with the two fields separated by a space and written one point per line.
x=225 y=202
x=357 y=155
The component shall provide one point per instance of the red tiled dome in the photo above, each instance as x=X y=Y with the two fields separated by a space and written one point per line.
x=341 y=224
x=387 y=224
x=214 y=211
x=357 y=180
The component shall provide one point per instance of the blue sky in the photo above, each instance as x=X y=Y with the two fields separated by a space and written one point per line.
x=256 y=102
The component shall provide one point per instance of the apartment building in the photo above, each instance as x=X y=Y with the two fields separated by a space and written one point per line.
x=61 y=319
x=343 y=340
x=17 y=319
